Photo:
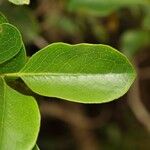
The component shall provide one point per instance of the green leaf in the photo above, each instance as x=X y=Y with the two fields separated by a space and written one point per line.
x=101 y=7
x=87 y=73
x=19 y=119
x=132 y=41
x=20 y=2
x=36 y=148
x=2 y=18
x=14 y=64
x=10 y=42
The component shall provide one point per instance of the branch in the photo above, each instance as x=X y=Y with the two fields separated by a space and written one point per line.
x=137 y=106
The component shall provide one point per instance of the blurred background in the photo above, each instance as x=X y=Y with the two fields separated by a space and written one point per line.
x=123 y=24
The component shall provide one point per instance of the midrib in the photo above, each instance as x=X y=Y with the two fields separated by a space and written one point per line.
x=21 y=74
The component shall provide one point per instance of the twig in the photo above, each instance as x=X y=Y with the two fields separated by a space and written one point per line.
x=137 y=106
x=40 y=42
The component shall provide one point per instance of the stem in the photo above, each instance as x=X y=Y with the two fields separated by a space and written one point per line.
x=11 y=75
x=136 y=104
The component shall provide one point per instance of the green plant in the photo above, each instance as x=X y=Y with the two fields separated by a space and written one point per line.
x=85 y=73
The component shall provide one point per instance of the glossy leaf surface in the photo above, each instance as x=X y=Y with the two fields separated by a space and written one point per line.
x=10 y=42
x=83 y=73
x=19 y=119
